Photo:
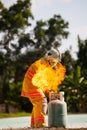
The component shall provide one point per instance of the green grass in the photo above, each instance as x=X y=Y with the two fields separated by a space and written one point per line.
x=19 y=114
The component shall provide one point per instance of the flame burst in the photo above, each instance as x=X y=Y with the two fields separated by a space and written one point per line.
x=47 y=78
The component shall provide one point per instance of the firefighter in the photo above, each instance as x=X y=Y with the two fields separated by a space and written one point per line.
x=37 y=85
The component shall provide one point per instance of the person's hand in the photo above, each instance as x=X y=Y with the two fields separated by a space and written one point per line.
x=48 y=93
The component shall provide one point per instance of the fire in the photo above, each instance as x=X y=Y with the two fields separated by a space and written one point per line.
x=48 y=78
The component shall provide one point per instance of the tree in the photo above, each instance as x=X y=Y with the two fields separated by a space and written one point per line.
x=75 y=88
x=19 y=49
x=46 y=34
x=51 y=32
x=68 y=61
x=82 y=54
x=13 y=22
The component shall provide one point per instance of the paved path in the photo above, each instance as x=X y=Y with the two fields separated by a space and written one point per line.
x=73 y=121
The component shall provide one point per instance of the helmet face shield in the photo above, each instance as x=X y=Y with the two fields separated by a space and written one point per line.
x=54 y=53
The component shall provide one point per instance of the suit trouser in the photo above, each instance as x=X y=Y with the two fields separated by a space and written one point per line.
x=39 y=111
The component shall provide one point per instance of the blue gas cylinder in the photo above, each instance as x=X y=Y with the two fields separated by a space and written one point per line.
x=57 y=112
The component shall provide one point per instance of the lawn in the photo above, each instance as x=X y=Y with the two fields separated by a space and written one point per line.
x=19 y=114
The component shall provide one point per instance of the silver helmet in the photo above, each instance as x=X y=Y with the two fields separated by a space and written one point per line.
x=55 y=53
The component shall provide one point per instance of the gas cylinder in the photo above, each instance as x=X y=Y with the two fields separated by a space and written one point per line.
x=57 y=111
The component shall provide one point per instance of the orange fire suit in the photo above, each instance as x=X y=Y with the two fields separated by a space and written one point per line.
x=36 y=81
x=36 y=96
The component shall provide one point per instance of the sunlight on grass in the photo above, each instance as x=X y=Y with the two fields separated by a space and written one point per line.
x=19 y=114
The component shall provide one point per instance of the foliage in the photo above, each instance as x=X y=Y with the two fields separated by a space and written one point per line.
x=15 y=19
x=51 y=32
x=68 y=61
x=14 y=40
x=75 y=87
x=19 y=48
x=19 y=114
x=82 y=55
x=13 y=22
x=46 y=34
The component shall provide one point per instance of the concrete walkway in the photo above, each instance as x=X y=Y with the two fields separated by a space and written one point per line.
x=73 y=121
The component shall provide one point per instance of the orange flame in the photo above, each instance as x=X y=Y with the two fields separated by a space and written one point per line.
x=47 y=78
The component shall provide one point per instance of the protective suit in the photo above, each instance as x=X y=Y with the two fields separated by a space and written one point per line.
x=43 y=75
